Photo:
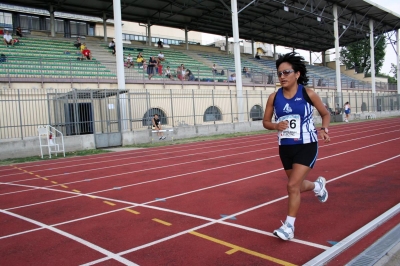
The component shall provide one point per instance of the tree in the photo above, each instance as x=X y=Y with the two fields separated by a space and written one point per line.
x=394 y=71
x=357 y=55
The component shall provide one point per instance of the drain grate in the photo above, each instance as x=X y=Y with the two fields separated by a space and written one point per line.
x=375 y=252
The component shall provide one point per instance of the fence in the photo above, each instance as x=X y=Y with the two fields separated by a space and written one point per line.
x=77 y=112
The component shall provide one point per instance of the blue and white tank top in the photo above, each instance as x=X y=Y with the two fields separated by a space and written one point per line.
x=298 y=111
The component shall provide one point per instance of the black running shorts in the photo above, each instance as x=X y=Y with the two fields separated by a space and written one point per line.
x=304 y=154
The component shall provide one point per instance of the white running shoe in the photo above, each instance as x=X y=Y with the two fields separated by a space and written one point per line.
x=285 y=232
x=322 y=195
x=163 y=137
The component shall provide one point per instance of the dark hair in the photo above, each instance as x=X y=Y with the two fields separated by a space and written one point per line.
x=297 y=63
x=155 y=115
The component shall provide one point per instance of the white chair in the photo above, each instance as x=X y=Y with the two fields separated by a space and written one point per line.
x=48 y=138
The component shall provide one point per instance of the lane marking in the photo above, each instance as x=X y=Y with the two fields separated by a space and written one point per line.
x=224 y=156
x=90 y=196
x=77 y=191
x=37 y=175
x=107 y=253
x=109 y=203
x=235 y=248
x=258 y=137
x=64 y=186
x=161 y=222
x=131 y=211
x=44 y=178
x=54 y=182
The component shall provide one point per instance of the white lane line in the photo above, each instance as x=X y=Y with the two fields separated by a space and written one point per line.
x=243 y=142
x=213 y=221
x=147 y=169
x=109 y=254
x=224 y=218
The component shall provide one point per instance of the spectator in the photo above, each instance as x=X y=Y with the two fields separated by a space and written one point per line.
x=161 y=56
x=232 y=78
x=189 y=75
x=18 y=31
x=140 y=60
x=168 y=73
x=111 y=46
x=78 y=43
x=347 y=111
x=156 y=125
x=160 y=43
x=159 y=66
x=183 y=70
x=246 y=72
x=87 y=54
x=214 y=70
x=8 y=40
x=179 y=73
x=144 y=65
x=129 y=61
x=151 y=66
x=83 y=47
x=257 y=56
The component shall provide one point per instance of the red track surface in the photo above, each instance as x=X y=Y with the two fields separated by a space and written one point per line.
x=163 y=206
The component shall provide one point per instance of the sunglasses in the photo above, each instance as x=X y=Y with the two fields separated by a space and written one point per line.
x=285 y=73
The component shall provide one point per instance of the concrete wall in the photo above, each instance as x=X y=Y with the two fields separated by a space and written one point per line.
x=30 y=146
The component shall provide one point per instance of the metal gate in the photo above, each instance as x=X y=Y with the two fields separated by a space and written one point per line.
x=95 y=112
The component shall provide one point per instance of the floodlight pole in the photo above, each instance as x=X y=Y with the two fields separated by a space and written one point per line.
x=52 y=20
x=337 y=55
x=236 y=49
x=118 y=45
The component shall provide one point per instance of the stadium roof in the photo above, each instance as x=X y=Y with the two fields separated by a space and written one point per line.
x=305 y=25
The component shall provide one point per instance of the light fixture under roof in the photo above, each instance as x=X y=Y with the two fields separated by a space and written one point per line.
x=286 y=8
x=319 y=19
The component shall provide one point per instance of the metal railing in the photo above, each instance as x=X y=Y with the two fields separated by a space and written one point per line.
x=91 y=111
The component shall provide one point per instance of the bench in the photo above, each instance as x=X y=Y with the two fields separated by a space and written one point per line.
x=163 y=130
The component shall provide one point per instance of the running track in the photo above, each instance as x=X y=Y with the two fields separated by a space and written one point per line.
x=209 y=203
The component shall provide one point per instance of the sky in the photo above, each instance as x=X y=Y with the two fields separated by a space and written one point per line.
x=390 y=57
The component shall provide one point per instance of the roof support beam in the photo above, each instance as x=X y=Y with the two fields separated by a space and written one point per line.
x=238 y=67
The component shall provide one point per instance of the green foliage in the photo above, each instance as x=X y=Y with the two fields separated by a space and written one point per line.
x=357 y=55
x=393 y=71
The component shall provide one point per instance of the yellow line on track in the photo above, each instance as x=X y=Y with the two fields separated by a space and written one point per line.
x=162 y=222
x=90 y=196
x=77 y=191
x=235 y=248
x=54 y=182
x=44 y=178
x=31 y=173
x=64 y=186
x=37 y=175
x=25 y=171
x=132 y=211
x=109 y=203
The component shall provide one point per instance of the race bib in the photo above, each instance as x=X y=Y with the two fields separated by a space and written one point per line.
x=293 y=130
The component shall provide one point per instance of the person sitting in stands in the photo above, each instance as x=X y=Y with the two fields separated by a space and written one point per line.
x=129 y=61
x=8 y=40
x=179 y=73
x=111 y=45
x=214 y=70
x=168 y=73
x=140 y=60
x=86 y=53
x=18 y=31
x=232 y=78
x=78 y=43
x=159 y=67
x=144 y=65
x=83 y=47
x=189 y=75
x=246 y=72
x=161 y=56
x=151 y=66
x=160 y=43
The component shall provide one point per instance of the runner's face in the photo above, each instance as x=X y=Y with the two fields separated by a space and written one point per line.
x=290 y=80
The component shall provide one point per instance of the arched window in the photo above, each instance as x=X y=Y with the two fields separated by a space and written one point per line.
x=149 y=115
x=212 y=114
x=256 y=112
